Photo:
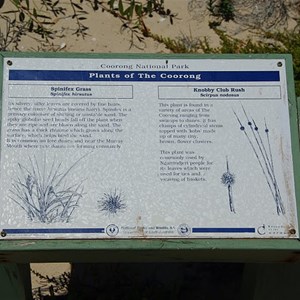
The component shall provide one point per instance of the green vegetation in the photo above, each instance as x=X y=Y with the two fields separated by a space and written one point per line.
x=39 y=19
x=222 y=9
x=278 y=42
x=52 y=285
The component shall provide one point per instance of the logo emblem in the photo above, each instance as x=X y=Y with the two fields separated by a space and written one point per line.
x=261 y=229
x=184 y=229
x=112 y=230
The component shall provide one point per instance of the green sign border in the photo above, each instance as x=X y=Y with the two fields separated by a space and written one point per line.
x=103 y=250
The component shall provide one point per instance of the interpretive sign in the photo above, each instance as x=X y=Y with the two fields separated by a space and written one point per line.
x=167 y=147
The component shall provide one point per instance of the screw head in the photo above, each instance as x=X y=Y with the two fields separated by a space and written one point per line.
x=3 y=233
x=9 y=62
x=279 y=64
x=292 y=231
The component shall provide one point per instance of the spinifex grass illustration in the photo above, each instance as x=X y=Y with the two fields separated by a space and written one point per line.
x=112 y=203
x=46 y=194
x=228 y=179
x=261 y=146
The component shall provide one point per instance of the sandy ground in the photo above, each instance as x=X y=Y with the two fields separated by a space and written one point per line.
x=105 y=35
x=51 y=270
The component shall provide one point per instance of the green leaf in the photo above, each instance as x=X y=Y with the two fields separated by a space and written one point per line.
x=21 y=16
x=27 y=4
x=34 y=13
x=11 y=12
x=95 y=6
x=30 y=28
x=129 y=11
x=111 y=3
x=139 y=10
x=44 y=16
x=77 y=6
x=121 y=7
x=149 y=7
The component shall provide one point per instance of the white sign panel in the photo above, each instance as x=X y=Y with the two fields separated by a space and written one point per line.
x=146 y=148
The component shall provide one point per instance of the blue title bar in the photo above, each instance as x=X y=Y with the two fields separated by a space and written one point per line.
x=168 y=76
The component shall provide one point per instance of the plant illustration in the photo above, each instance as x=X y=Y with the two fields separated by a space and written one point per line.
x=261 y=147
x=46 y=193
x=112 y=203
x=228 y=179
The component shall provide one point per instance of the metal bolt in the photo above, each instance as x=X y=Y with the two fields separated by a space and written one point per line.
x=9 y=62
x=279 y=64
x=292 y=231
x=3 y=233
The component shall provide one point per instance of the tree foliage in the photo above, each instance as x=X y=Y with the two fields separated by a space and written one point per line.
x=269 y=42
x=37 y=18
x=222 y=9
x=259 y=14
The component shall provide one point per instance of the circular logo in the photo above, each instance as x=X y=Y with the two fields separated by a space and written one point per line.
x=184 y=229
x=261 y=229
x=112 y=230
